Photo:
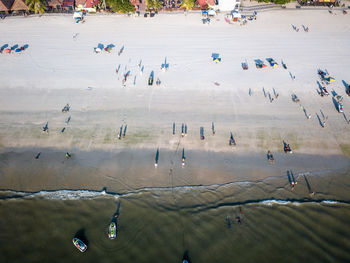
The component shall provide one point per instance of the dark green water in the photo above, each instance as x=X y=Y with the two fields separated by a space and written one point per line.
x=158 y=227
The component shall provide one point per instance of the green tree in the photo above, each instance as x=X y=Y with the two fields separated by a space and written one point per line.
x=157 y=4
x=149 y=4
x=122 y=6
x=188 y=4
x=37 y=6
x=279 y=2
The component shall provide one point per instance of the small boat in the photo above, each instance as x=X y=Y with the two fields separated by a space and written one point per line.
x=79 y=244
x=112 y=230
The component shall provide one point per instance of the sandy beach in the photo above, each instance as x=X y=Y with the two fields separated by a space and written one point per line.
x=60 y=67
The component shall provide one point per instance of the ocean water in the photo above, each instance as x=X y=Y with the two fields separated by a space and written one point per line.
x=160 y=225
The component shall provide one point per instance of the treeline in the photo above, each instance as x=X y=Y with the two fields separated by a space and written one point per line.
x=278 y=2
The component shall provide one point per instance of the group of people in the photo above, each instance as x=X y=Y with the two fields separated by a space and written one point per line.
x=296 y=29
x=45 y=128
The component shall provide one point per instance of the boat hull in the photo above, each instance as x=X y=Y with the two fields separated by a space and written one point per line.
x=80 y=245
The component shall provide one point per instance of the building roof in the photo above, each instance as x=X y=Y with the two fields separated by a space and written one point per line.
x=80 y=2
x=91 y=3
x=203 y=3
x=19 y=5
x=67 y=3
x=54 y=3
x=5 y=5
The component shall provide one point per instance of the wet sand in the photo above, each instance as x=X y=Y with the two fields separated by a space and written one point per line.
x=132 y=169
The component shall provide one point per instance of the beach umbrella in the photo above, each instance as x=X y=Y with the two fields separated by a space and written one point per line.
x=18 y=50
x=3 y=47
x=97 y=50
x=211 y=12
x=14 y=47
x=25 y=46
x=78 y=14
x=7 y=50
x=100 y=46
x=215 y=55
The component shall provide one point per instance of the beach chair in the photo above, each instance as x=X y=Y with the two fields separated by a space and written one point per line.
x=272 y=62
x=245 y=65
x=216 y=57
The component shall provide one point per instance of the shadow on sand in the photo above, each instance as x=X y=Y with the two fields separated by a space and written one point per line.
x=347 y=87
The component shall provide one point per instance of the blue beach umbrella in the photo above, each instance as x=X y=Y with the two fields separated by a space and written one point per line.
x=25 y=46
x=3 y=47
x=18 y=50
x=100 y=46
x=14 y=47
x=215 y=55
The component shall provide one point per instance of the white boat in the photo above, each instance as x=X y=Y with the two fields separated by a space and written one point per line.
x=79 y=244
x=112 y=230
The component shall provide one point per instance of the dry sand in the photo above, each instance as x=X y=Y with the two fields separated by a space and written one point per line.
x=58 y=68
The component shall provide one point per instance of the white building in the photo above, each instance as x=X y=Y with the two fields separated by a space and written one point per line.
x=227 y=5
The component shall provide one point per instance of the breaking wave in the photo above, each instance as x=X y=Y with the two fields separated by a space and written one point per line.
x=89 y=194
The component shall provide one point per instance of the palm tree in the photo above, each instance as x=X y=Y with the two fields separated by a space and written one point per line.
x=188 y=4
x=37 y=6
x=157 y=4
x=149 y=4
